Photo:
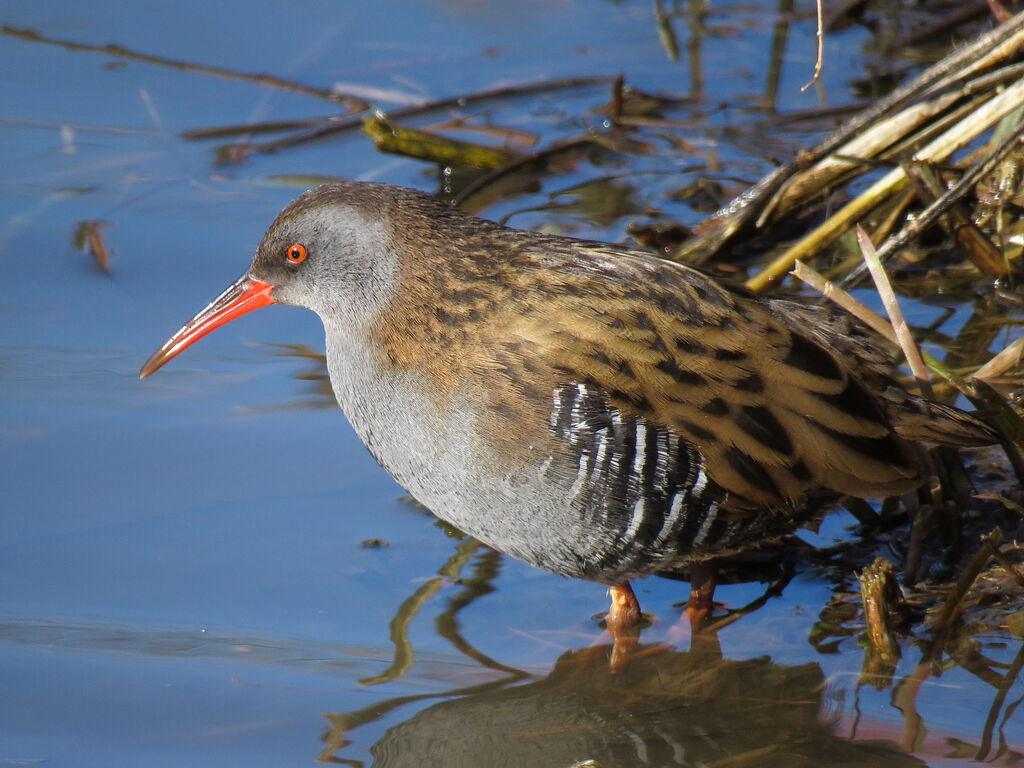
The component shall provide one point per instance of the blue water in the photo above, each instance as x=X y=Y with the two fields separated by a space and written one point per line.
x=182 y=579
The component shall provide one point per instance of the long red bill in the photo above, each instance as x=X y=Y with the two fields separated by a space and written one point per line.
x=244 y=295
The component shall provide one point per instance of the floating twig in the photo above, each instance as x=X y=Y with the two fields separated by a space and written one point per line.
x=263 y=126
x=532 y=160
x=514 y=136
x=88 y=238
x=397 y=139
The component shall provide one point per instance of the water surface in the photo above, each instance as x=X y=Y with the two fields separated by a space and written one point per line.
x=183 y=576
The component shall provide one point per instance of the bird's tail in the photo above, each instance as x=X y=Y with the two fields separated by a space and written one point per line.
x=917 y=418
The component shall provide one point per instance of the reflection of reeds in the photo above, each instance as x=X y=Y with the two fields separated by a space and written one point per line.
x=319 y=394
x=987 y=594
x=399 y=627
x=950 y=634
x=485 y=570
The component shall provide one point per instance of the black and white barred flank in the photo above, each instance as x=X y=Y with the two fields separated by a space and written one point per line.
x=644 y=485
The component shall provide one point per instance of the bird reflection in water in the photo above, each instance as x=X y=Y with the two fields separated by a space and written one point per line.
x=663 y=707
x=669 y=708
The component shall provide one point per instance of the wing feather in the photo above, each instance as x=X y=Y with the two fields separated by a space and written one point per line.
x=775 y=414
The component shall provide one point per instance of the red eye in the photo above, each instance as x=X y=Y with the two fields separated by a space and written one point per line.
x=296 y=253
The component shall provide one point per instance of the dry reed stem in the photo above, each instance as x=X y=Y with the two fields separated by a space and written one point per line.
x=880 y=597
x=892 y=307
x=819 y=57
x=1003 y=560
x=865 y=314
x=1008 y=358
x=744 y=210
x=943 y=203
x=833 y=292
x=957 y=222
x=937 y=150
x=865 y=145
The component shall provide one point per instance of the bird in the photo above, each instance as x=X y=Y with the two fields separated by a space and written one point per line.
x=592 y=409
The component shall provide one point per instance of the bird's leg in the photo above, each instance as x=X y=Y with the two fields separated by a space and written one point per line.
x=703 y=575
x=623 y=622
x=624 y=613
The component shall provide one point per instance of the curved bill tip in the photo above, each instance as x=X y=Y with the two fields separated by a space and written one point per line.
x=243 y=295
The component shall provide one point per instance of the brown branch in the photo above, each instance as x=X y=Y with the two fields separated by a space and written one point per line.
x=951 y=608
x=113 y=49
x=336 y=125
x=531 y=160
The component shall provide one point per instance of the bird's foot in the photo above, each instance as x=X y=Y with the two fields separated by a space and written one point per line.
x=623 y=622
x=624 y=614
x=700 y=606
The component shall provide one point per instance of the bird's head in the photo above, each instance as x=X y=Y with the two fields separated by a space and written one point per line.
x=329 y=250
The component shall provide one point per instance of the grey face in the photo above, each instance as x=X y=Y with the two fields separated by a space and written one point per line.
x=324 y=254
x=328 y=250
